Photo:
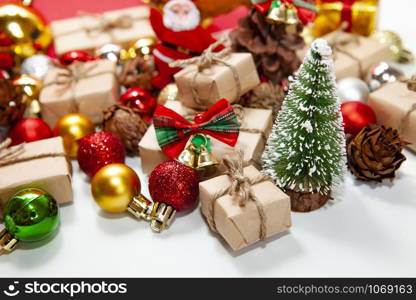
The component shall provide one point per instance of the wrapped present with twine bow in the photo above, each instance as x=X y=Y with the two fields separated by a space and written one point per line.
x=254 y=128
x=89 y=31
x=42 y=164
x=244 y=206
x=86 y=88
x=215 y=75
x=395 y=106
x=354 y=55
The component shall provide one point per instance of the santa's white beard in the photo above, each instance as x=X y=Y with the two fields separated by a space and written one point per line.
x=171 y=21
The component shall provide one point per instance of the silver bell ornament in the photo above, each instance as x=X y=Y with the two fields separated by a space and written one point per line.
x=381 y=73
x=353 y=89
x=37 y=66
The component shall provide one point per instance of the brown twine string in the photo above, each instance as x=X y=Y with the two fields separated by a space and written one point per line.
x=340 y=41
x=411 y=85
x=69 y=76
x=240 y=189
x=10 y=156
x=239 y=112
x=206 y=60
x=105 y=24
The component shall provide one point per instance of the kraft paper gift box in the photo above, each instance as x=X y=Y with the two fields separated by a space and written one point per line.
x=89 y=31
x=354 y=55
x=91 y=93
x=240 y=225
x=251 y=143
x=51 y=172
x=395 y=106
x=218 y=81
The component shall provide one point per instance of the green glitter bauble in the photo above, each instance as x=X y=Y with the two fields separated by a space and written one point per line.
x=31 y=215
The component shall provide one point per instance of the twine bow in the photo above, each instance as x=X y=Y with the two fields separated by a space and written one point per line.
x=106 y=25
x=10 y=156
x=240 y=190
x=340 y=41
x=68 y=76
x=206 y=60
x=411 y=85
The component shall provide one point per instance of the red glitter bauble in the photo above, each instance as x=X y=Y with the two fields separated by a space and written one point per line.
x=99 y=149
x=29 y=130
x=174 y=184
x=75 y=55
x=357 y=115
x=140 y=99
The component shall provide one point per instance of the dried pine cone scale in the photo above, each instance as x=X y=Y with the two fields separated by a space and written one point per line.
x=127 y=124
x=375 y=153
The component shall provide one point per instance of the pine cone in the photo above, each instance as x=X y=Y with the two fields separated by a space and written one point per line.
x=273 y=48
x=266 y=95
x=12 y=107
x=138 y=72
x=375 y=153
x=125 y=123
x=307 y=202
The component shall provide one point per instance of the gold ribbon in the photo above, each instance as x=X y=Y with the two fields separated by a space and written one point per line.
x=10 y=156
x=240 y=190
x=206 y=60
x=340 y=41
x=411 y=85
x=69 y=76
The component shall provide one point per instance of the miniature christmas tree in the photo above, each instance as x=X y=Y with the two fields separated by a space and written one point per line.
x=305 y=152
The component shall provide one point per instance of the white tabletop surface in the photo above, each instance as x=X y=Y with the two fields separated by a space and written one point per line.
x=369 y=230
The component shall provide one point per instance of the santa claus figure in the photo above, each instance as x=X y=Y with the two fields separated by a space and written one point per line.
x=180 y=36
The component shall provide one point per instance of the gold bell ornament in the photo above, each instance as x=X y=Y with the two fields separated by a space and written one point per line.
x=197 y=155
x=116 y=188
x=24 y=30
x=188 y=156
x=277 y=13
x=207 y=163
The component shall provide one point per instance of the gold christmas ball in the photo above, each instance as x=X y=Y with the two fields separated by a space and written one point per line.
x=169 y=93
x=25 y=28
x=392 y=40
x=142 y=47
x=114 y=186
x=72 y=127
x=29 y=86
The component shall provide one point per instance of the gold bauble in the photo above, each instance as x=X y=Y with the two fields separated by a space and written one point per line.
x=73 y=127
x=168 y=93
x=29 y=86
x=25 y=27
x=114 y=186
x=142 y=47
x=392 y=40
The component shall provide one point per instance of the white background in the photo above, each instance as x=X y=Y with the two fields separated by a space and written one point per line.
x=369 y=230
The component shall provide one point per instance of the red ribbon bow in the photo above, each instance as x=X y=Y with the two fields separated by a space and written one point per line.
x=346 y=13
x=173 y=131
x=306 y=15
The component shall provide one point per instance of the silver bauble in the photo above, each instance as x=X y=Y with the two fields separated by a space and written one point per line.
x=381 y=73
x=109 y=51
x=353 y=89
x=37 y=66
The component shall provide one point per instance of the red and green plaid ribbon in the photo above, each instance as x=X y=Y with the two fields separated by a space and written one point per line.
x=173 y=131
x=306 y=9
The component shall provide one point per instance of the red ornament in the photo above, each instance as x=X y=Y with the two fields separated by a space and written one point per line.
x=174 y=184
x=99 y=149
x=140 y=99
x=29 y=130
x=357 y=115
x=6 y=60
x=75 y=55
